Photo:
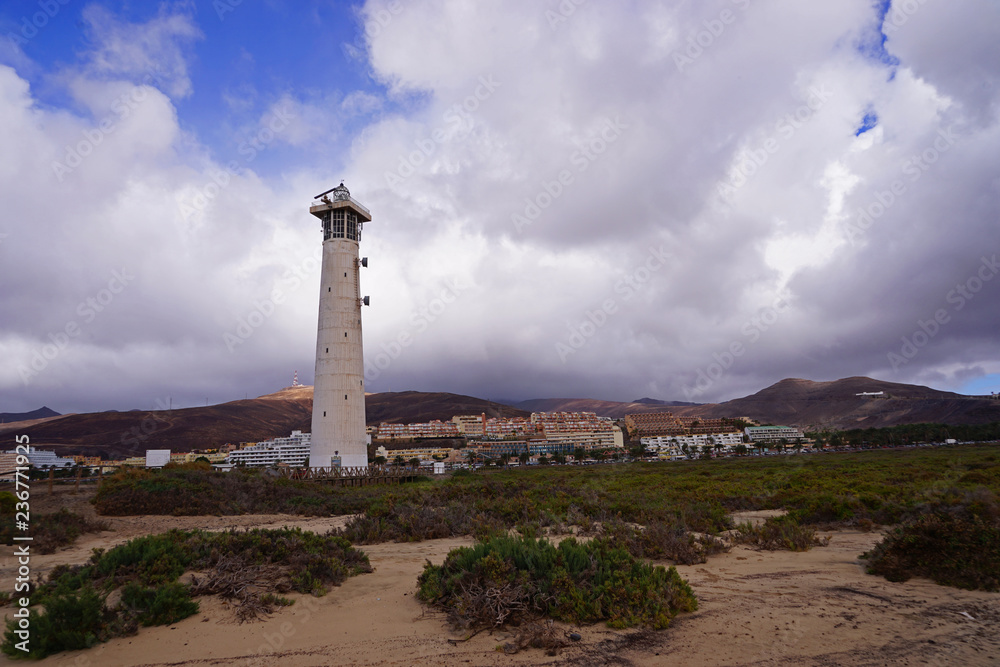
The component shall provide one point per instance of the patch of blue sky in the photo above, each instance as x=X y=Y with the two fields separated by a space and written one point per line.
x=984 y=385
x=871 y=43
x=248 y=57
x=869 y=121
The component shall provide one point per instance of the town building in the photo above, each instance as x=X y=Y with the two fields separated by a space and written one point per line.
x=425 y=454
x=674 y=444
x=432 y=429
x=8 y=466
x=667 y=423
x=496 y=449
x=471 y=425
x=773 y=434
x=44 y=459
x=293 y=450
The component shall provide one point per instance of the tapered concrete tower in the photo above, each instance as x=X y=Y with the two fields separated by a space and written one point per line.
x=338 y=419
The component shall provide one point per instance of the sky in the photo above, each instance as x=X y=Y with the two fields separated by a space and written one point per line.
x=577 y=198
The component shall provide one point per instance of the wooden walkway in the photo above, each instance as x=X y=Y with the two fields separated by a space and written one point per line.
x=350 y=476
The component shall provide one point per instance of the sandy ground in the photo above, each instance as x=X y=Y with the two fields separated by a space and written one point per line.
x=756 y=608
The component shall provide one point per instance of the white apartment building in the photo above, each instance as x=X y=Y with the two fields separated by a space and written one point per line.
x=773 y=433
x=293 y=451
x=39 y=458
x=673 y=443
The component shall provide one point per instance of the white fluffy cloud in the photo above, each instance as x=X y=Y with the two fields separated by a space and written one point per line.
x=613 y=203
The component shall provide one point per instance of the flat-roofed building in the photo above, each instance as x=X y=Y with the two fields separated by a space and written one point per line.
x=432 y=429
x=41 y=458
x=425 y=454
x=673 y=443
x=8 y=466
x=471 y=425
x=769 y=434
x=667 y=423
x=292 y=450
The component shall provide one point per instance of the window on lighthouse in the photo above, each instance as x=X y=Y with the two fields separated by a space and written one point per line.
x=338 y=224
x=352 y=226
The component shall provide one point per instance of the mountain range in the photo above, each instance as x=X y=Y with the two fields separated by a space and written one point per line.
x=807 y=404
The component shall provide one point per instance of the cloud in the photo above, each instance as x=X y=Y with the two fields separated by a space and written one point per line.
x=155 y=51
x=666 y=199
x=745 y=103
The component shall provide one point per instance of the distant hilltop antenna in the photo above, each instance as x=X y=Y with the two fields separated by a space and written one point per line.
x=295 y=380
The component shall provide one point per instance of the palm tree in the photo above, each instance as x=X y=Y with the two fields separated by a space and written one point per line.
x=741 y=450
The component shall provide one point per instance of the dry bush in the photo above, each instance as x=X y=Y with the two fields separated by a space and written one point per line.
x=779 y=533
x=538 y=634
x=662 y=541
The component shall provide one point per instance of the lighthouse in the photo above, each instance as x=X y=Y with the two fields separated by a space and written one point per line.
x=338 y=418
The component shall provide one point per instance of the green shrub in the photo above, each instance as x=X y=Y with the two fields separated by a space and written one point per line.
x=244 y=566
x=71 y=621
x=151 y=559
x=515 y=579
x=953 y=545
x=8 y=501
x=51 y=531
x=161 y=605
x=194 y=489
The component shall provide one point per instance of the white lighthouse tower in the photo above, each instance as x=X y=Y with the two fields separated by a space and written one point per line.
x=338 y=419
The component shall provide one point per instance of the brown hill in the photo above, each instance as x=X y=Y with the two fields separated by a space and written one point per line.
x=402 y=407
x=613 y=409
x=122 y=434
x=836 y=405
x=794 y=402
x=815 y=405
